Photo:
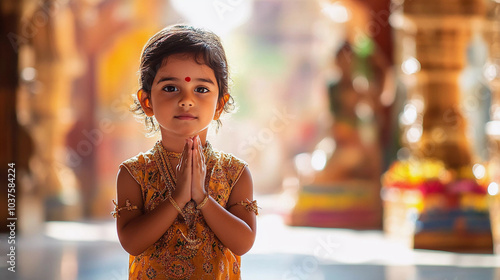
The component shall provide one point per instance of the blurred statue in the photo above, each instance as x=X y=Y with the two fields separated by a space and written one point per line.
x=345 y=192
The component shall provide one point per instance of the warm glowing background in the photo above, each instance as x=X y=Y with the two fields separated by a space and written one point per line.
x=68 y=127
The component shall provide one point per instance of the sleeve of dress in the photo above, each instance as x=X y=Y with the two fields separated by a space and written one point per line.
x=136 y=168
x=235 y=167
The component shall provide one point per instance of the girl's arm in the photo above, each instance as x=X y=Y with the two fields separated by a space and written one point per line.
x=138 y=230
x=235 y=228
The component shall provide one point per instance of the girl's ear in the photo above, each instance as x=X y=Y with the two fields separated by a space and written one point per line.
x=220 y=106
x=145 y=101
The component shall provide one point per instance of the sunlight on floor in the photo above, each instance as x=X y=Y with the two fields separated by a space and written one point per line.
x=90 y=250
x=75 y=231
x=353 y=247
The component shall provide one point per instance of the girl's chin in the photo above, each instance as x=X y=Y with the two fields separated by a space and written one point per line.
x=182 y=134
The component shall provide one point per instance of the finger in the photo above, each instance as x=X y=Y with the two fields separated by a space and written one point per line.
x=198 y=142
x=182 y=159
x=179 y=165
x=190 y=143
x=199 y=150
x=202 y=155
x=195 y=144
x=187 y=146
x=184 y=150
x=195 y=159
x=189 y=152
x=197 y=139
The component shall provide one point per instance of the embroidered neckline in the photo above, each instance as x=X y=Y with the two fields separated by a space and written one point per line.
x=207 y=150
x=167 y=172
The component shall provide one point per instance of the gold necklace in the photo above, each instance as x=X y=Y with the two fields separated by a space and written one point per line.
x=171 y=172
x=189 y=213
x=173 y=154
x=161 y=166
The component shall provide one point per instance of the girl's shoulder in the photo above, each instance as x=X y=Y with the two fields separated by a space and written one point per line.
x=230 y=165
x=143 y=158
x=228 y=159
x=141 y=164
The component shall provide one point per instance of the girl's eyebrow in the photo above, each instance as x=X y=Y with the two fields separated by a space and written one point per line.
x=164 y=79
x=205 y=80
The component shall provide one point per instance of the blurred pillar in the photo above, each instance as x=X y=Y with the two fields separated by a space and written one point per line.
x=432 y=53
x=49 y=63
x=436 y=193
x=116 y=69
x=492 y=74
x=16 y=145
x=96 y=25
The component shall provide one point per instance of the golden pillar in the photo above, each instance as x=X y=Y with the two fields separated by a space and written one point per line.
x=431 y=49
x=492 y=75
x=49 y=64
x=434 y=198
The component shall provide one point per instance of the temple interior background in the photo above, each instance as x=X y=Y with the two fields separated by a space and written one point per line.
x=371 y=128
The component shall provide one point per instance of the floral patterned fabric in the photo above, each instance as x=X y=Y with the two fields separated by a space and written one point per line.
x=172 y=257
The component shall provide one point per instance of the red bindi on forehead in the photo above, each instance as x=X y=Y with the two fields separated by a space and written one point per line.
x=187 y=79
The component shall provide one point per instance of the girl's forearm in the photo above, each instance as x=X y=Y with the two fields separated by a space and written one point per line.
x=233 y=232
x=144 y=230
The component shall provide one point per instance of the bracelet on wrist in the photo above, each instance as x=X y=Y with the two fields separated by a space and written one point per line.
x=203 y=202
x=176 y=206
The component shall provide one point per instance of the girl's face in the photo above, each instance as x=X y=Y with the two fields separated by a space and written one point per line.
x=184 y=96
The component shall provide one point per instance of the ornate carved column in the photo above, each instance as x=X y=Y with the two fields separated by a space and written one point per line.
x=435 y=196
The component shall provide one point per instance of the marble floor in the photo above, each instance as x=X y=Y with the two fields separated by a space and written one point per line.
x=90 y=251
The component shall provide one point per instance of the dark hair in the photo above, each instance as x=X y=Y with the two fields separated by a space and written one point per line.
x=178 y=39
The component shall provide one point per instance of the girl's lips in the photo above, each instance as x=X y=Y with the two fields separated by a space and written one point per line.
x=186 y=117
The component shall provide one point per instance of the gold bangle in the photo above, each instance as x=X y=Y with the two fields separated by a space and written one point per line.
x=202 y=203
x=176 y=206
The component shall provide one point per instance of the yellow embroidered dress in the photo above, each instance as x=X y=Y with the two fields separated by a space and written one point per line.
x=188 y=249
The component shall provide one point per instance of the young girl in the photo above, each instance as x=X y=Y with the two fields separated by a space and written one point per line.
x=184 y=210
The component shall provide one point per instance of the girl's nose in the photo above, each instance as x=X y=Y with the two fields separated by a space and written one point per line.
x=186 y=101
x=186 y=104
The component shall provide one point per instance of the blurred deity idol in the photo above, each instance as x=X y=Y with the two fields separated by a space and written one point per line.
x=344 y=190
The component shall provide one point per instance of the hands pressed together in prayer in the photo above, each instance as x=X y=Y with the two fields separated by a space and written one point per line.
x=190 y=173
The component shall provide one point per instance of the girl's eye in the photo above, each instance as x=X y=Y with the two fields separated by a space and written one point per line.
x=170 y=88
x=201 y=90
